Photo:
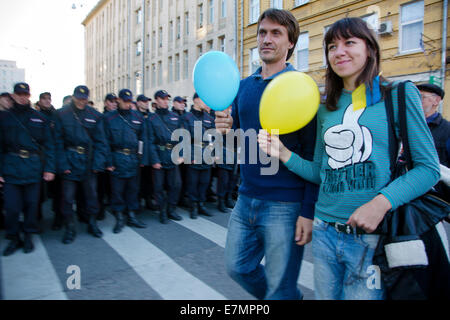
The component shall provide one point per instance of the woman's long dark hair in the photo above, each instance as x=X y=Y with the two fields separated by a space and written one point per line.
x=344 y=29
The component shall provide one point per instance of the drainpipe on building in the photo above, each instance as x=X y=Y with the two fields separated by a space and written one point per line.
x=241 y=58
x=143 y=47
x=444 y=47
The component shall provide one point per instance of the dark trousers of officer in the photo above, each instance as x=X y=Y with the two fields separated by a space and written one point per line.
x=169 y=178
x=226 y=181
x=183 y=191
x=89 y=190
x=51 y=189
x=124 y=194
x=197 y=183
x=103 y=188
x=146 y=183
x=21 y=198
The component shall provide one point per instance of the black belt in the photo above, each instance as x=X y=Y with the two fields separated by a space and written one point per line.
x=77 y=149
x=125 y=151
x=24 y=154
x=167 y=146
x=345 y=228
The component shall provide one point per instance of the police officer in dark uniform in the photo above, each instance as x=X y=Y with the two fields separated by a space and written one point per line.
x=53 y=188
x=103 y=181
x=146 y=178
x=198 y=174
x=161 y=124
x=126 y=135
x=27 y=155
x=81 y=151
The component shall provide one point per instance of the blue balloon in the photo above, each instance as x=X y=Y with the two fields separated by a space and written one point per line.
x=216 y=79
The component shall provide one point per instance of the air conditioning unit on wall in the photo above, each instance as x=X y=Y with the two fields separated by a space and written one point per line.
x=385 y=28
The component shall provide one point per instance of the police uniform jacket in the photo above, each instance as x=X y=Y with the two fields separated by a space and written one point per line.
x=27 y=147
x=125 y=131
x=161 y=124
x=207 y=122
x=50 y=115
x=80 y=141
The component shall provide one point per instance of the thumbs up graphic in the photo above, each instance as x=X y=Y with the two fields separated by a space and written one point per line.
x=349 y=142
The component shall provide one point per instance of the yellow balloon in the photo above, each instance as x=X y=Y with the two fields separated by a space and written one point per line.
x=289 y=102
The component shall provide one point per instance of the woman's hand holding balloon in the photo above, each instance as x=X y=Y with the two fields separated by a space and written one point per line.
x=272 y=145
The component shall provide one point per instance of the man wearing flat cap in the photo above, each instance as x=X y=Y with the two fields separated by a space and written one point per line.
x=81 y=150
x=432 y=95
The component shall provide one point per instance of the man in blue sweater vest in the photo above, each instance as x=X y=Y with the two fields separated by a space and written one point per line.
x=274 y=213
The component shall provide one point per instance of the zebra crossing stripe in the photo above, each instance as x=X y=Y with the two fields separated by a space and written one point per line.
x=157 y=269
x=31 y=276
x=218 y=234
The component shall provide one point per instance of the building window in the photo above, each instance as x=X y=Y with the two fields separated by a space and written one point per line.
x=302 y=52
x=170 y=70
x=222 y=43
x=223 y=8
x=153 y=75
x=139 y=16
x=160 y=37
x=210 y=45
x=153 y=41
x=254 y=11
x=199 y=51
x=178 y=27
x=200 y=16
x=147 y=77
x=170 y=31
x=211 y=11
x=300 y=2
x=138 y=48
x=177 y=67
x=186 y=23
x=185 y=64
x=277 y=4
x=254 y=60
x=160 y=71
x=411 y=26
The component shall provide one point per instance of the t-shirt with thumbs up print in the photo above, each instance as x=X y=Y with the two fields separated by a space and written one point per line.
x=351 y=160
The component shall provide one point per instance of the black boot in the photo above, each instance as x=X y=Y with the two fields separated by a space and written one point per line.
x=202 y=210
x=101 y=213
x=93 y=228
x=132 y=221
x=171 y=214
x=150 y=205
x=184 y=202
x=229 y=203
x=120 y=222
x=28 y=243
x=221 y=205
x=163 y=218
x=14 y=244
x=57 y=222
x=194 y=210
x=70 y=232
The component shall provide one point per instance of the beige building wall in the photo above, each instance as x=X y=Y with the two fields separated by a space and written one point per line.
x=314 y=16
x=147 y=45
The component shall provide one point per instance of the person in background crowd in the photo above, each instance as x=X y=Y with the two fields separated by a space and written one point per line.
x=264 y=219
x=67 y=100
x=52 y=188
x=161 y=124
x=27 y=155
x=6 y=101
x=126 y=135
x=432 y=95
x=110 y=103
x=81 y=150
x=198 y=174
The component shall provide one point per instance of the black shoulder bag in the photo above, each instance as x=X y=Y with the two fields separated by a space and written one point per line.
x=401 y=250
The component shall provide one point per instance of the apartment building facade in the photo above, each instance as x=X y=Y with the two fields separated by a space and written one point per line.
x=147 y=45
x=412 y=35
x=10 y=75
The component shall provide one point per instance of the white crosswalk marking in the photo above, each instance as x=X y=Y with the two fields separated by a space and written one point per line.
x=31 y=276
x=157 y=269
x=218 y=235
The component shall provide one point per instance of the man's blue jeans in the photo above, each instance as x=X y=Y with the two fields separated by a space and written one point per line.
x=261 y=228
x=343 y=268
